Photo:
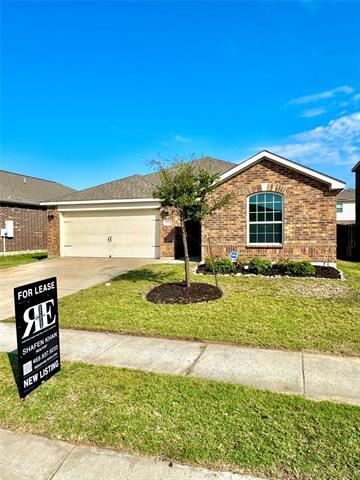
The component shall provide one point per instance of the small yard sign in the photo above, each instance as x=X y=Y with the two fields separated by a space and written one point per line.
x=234 y=255
x=37 y=331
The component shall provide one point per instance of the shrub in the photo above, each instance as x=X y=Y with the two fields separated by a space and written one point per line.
x=299 y=268
x=259 y=265
x=220 y=265
x=241 y=262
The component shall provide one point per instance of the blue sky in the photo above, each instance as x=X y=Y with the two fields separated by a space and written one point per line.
x=91 y=91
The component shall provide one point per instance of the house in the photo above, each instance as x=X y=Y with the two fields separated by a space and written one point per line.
x=279 y=208
x=356 y=170
x=23 y=220
x=345 y=206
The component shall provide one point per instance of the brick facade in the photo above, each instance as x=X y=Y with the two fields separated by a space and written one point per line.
x=29 y=227
x=53 y=232
x=309 y=216
x=167 y=235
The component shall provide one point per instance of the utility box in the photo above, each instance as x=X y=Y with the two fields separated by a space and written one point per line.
x=8 y=231
x=9 y=227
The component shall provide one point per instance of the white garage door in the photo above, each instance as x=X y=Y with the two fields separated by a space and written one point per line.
x=123 y=233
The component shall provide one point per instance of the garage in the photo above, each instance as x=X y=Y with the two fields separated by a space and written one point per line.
x=111 y=233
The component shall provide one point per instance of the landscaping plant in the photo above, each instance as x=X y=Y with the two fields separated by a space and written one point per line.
x=259 y=265
x=298 y=268
x=220 y=265
x=184 y=191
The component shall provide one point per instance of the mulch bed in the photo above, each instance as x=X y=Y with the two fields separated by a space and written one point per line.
x=179 y=293
x=320 y=272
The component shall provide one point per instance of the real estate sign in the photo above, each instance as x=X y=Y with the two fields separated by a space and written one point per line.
x=37 y=331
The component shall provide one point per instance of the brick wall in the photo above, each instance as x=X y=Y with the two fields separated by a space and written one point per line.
x=30 y=230
x=167 y=235
x=309 y=215
x=53 y=232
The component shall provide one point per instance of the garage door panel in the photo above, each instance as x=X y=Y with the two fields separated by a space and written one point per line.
x=132 y=234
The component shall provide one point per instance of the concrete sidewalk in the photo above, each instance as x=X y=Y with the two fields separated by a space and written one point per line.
x=37 y=458
x=314 y=376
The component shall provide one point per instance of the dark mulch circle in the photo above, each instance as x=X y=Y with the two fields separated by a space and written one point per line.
x=179 y=293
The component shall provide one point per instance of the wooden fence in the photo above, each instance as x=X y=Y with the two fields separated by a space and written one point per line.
x=346 y=242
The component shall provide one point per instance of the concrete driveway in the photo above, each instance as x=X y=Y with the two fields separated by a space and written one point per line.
x=73 y=274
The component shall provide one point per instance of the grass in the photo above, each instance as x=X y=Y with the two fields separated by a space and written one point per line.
x=189 y=420
x=285 y=313
x=9 y=261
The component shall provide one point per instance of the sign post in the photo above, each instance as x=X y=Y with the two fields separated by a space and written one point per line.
x=37 y=332
x=234 y=255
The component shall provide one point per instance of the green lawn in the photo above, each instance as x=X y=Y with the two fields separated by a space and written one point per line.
x=296 y=314
x=189 y=420
x=9 y=261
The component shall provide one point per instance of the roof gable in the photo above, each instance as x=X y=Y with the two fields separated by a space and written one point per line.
x=347 y=195
x=333 y=183
x=356 y=167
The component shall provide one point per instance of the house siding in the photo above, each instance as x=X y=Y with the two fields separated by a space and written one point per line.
x=29 y=227
x=309 y=215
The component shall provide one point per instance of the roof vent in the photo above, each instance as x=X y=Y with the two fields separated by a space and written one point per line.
x=24 y=180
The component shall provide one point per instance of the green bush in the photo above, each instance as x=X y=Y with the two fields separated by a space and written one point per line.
x=298 y=268
x=220 y=265
x=259 y=265
x=241 y=262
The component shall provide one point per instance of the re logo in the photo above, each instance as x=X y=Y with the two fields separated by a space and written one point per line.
x=38 y=317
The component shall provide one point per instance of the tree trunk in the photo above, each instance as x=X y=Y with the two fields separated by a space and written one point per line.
x=186 y=253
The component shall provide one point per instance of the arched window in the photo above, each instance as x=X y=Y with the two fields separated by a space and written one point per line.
x=265 y=219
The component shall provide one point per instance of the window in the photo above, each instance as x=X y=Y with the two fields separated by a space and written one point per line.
x=339 y=207
x=265 y=218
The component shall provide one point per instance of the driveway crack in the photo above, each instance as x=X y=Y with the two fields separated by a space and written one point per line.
x=63 y=461
x=192 y=366
x=303 y=373
x=116 y=342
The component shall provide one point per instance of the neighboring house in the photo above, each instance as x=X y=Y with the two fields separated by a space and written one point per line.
x=345 y=206
x=356 y=170
x=20 y=197
x=279 y=208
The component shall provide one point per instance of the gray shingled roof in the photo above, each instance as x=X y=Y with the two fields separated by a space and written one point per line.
x=22 y=189
x=137 y=186
x=347 y=195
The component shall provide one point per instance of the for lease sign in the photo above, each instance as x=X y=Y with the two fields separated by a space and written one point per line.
x=37 y=331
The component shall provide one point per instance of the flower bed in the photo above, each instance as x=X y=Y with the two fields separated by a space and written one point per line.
x=257 y=266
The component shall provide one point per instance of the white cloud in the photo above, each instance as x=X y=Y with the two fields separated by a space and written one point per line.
x=345 y=89
x=356 y=97
x=313 y=112
x=181 y=139
x=338 y=142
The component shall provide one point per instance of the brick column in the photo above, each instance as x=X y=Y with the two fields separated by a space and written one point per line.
x=53 y=232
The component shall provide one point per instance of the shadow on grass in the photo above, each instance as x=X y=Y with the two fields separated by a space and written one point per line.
x=145 y=274
x=39 y=257
x=13 y=360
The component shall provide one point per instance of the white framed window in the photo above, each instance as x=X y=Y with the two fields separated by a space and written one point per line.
x=265 y=219
x=339 y=207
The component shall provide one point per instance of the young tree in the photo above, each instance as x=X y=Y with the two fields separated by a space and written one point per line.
x=184 y=189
